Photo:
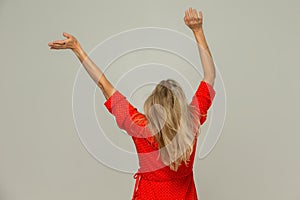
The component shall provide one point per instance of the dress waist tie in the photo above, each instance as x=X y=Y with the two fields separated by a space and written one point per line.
x=138 y=177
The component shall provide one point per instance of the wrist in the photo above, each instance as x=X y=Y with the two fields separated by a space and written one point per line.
x=196 y=31
x=76 y=47
x=80 y=53
x=199 y=35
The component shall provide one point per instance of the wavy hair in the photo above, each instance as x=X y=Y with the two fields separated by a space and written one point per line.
x=173 y=121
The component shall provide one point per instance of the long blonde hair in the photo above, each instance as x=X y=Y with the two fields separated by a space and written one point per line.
x=173 y=121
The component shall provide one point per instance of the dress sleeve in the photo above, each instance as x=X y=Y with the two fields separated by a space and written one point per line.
x=202 y=100
x=126 y=115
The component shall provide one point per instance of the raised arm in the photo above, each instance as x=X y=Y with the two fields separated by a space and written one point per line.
x=194 y=22
x=203 y=97
x=96 y=74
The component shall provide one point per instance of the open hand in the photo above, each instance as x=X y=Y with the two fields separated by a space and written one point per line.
x=192 y=20
x=69 y=43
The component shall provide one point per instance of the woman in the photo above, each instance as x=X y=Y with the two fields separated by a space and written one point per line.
x=165 y=136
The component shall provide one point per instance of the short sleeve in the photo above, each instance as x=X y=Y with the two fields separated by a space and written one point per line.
x=126 y=115
x=202 y=100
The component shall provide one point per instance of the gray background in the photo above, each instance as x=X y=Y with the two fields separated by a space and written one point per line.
x=254 y=43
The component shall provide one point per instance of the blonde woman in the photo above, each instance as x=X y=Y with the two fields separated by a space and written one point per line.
x=165 y=136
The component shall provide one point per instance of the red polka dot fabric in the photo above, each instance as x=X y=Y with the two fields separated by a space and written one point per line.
x=154 y=180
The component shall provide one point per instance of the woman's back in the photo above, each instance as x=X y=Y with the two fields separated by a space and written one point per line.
x=155 y=180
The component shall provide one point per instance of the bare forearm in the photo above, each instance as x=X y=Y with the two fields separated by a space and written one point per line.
x=206 y=57
x=94 y=71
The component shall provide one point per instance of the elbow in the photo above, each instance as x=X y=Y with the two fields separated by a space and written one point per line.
x=210 y=74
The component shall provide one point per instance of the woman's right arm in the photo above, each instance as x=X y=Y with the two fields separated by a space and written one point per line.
x=202 y=99
x=194 y=22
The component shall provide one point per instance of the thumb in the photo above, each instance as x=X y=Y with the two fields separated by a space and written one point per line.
x=66 y=35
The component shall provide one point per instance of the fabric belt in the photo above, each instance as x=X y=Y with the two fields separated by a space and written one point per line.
x=138 y=176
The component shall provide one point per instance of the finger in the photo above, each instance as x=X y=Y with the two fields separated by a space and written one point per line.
x=58 y=42
x=190 y=12
x=58 y=46
x=200 y=14
x=187 y=14
x=55 y=42
x=195 y=14
x=53 y=48
x=50 y=44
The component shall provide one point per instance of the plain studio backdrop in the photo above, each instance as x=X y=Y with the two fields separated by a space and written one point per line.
x=255 y=45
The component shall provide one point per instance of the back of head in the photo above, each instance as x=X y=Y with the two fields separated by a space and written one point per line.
x=174 y=122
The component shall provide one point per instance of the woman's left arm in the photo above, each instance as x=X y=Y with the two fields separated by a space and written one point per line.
x=96 y=74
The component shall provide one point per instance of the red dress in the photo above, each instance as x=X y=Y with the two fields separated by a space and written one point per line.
x=154 y=180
